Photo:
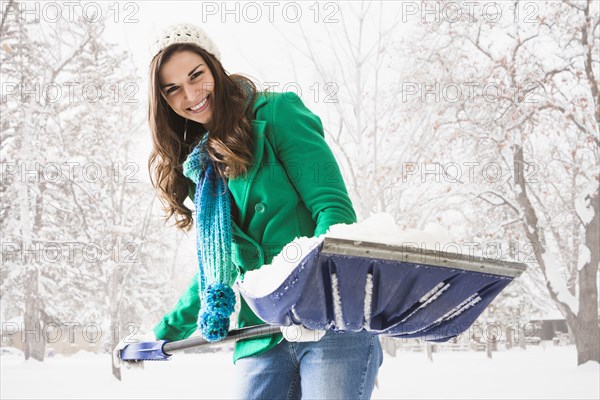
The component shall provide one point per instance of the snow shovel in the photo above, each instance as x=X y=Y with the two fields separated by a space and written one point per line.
x=348 y=285
x=398 y=291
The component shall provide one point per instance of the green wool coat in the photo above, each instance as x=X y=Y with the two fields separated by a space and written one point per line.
x=294 y=188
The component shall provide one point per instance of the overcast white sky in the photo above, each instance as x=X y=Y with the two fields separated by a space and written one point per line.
x=255 y=48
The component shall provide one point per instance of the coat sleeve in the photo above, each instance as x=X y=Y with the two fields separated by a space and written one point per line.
x=181 y=321
x=300 y=145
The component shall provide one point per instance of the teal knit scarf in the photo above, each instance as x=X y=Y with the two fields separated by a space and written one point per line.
x=213 y=240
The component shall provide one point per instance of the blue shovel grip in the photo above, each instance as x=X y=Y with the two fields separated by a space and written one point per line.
x=145 y=351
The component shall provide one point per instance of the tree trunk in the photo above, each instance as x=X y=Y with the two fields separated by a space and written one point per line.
x=509 y=338
x=34 y=345
x=586 y=340
x=115 y=320
x=583 y=322
x=114 y=336
x=430 y=351
x=521 y=334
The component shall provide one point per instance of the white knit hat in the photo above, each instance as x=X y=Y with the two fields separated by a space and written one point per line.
x=182 y=33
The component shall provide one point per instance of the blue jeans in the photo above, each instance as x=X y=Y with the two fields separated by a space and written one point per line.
x=341 y=365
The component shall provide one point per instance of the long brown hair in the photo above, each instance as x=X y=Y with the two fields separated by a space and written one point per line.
x=229 y=143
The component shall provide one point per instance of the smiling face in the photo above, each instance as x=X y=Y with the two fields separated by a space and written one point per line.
x=187 y=85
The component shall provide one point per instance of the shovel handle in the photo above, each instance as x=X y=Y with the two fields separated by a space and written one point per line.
x=163 y=349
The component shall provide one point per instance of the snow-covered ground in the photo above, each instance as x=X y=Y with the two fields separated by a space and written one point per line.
x=544 y=372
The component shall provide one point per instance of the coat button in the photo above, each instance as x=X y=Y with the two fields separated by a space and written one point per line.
x=259 y=207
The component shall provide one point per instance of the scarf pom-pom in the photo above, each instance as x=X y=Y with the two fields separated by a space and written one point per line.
x=213 y=327
x=218 y=303
x=219 y=299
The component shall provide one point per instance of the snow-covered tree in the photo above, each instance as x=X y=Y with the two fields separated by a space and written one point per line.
x=83 y=238
x=484 y=122
x=540 y=124
x=371 y=131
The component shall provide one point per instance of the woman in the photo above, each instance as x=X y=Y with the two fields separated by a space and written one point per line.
x=260 y=174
